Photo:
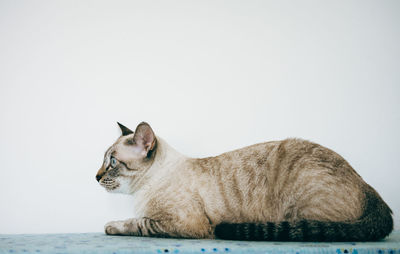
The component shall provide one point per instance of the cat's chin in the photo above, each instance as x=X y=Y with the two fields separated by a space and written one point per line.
x=122 y=186
x=122 y=189
x=113 y=190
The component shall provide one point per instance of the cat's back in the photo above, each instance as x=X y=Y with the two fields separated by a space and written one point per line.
x=280 y=174
x=285 y=152
x=279 y=155
x=252 y=156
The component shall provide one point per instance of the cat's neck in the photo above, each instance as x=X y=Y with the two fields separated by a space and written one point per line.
x=166 y=160
x=167 y=157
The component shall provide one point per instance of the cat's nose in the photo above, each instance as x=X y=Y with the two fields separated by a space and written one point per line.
x=100 y=174
x=98 y=177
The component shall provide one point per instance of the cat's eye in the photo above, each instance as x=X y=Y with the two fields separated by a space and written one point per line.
x=113 y=162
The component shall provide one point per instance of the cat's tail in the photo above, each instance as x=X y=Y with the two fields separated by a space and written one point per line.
x=375 y=224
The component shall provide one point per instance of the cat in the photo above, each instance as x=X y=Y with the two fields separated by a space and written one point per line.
x=289 y=190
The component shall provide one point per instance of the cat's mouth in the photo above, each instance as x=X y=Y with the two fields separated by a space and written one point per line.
x=109 y=184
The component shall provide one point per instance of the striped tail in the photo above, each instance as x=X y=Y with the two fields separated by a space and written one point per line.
x=375 y=224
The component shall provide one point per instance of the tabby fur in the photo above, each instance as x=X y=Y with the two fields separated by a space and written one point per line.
x=289 y=190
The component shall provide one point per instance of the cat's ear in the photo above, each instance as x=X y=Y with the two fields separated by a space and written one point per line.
x=125 y=130
x=144 y=138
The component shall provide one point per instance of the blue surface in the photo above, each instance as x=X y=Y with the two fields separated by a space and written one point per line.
x=101 y=243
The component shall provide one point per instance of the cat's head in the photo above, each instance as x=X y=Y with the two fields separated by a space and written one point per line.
x=128 y=158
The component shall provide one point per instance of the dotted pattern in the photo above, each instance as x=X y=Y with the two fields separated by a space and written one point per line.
x=101 y=243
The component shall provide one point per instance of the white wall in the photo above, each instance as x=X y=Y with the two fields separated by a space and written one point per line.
x=209 y=76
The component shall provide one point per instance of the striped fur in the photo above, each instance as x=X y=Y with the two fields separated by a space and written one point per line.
x=375 y=224
x=289 y=190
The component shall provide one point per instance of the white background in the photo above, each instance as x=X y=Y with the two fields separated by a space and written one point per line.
x=209 y=76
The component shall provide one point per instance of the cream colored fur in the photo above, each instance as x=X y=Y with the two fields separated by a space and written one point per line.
x=176 y=196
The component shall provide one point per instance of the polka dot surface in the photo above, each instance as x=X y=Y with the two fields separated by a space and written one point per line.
x=101 y=243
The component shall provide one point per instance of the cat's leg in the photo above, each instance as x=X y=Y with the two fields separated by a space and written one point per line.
x=149 y=227
x=135 y=227
x=122 y=227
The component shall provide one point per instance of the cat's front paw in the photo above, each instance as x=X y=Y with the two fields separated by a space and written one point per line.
x=114 y=228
